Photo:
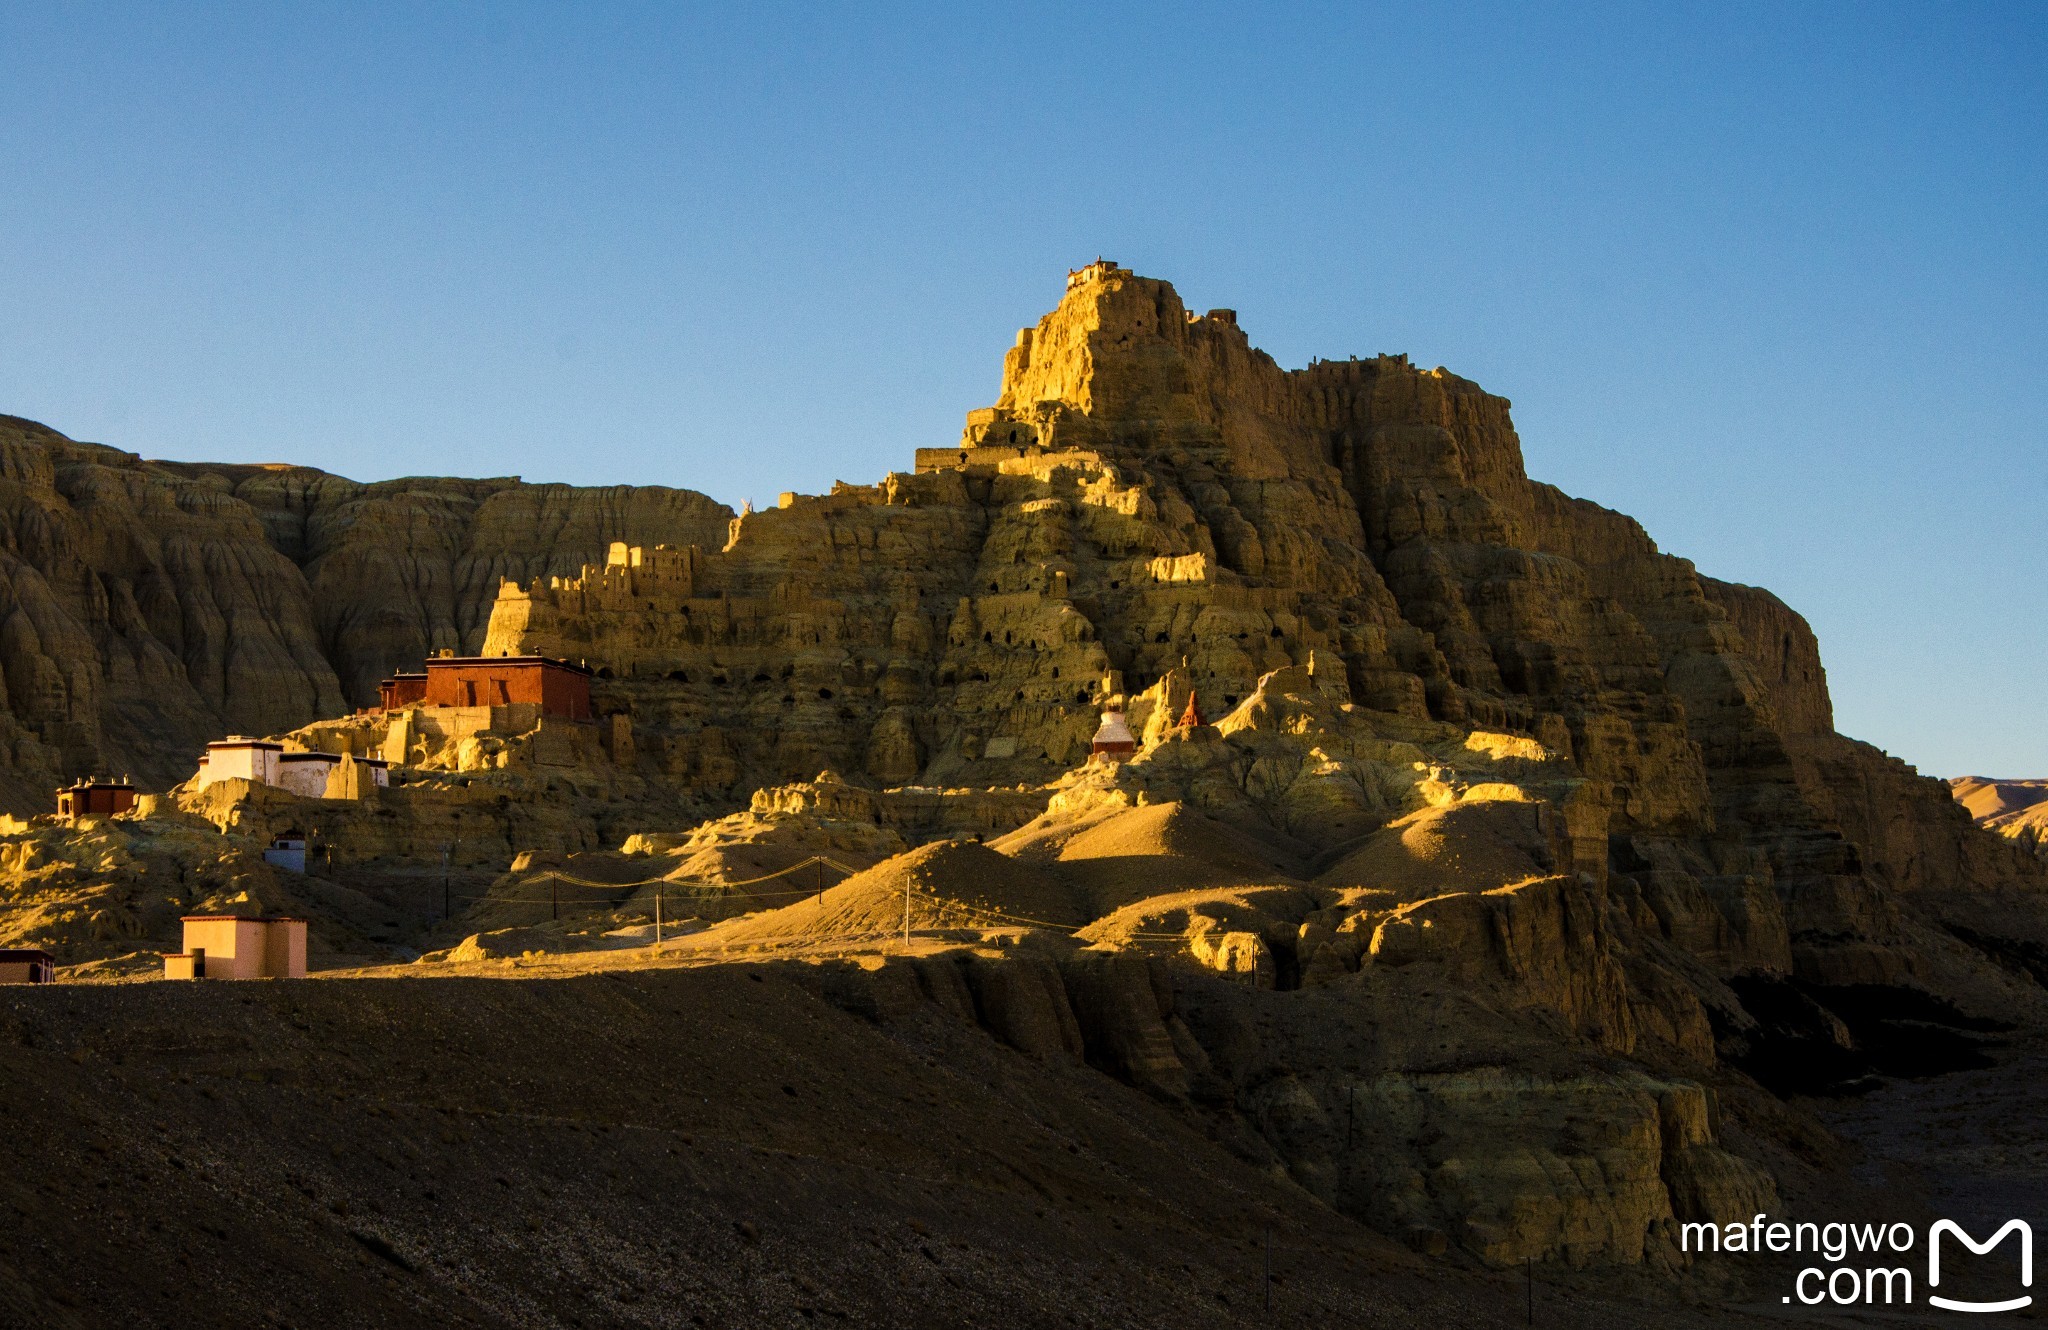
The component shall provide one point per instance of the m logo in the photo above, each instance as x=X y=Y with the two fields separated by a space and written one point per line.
x=2018 y=1226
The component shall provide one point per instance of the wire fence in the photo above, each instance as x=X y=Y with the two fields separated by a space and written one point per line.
x=969 y=915
x=698 y=888
x=919 y=906
x=816 y=860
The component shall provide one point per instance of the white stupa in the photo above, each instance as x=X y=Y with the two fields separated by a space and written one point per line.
x=1113 y=737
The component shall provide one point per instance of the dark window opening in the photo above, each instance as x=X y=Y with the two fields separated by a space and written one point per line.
x=678 y=676
x=825 y=693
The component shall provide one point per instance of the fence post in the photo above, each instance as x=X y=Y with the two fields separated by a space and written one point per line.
x=555 y=898
x=657 y=916
x=1269 y=1267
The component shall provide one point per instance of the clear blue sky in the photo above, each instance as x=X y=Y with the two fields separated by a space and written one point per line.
x=1770 y=278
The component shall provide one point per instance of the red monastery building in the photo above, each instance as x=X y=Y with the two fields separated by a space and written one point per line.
x=95 y=798
x=558 y=687
x=402 y=690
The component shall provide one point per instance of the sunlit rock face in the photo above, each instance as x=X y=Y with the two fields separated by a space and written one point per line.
x=1149 y=496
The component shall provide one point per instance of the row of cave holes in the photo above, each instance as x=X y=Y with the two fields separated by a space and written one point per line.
x=1113 y=586
x=825 y=694
x=946 y=677
x=1010 y=639
x=946 y=680
x=720 y=680
x=1277 y=632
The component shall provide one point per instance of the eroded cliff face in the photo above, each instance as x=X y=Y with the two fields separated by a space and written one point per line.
x=147 y=607
x=1150 y=494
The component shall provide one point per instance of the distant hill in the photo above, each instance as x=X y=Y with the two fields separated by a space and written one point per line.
x=2015 y=809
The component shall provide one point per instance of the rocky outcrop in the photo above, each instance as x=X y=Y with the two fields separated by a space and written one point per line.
x=1152 y=503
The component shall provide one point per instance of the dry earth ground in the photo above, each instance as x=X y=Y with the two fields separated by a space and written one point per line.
x=612 y=1141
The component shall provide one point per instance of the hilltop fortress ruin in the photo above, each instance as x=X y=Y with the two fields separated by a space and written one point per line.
x=1154 y=507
